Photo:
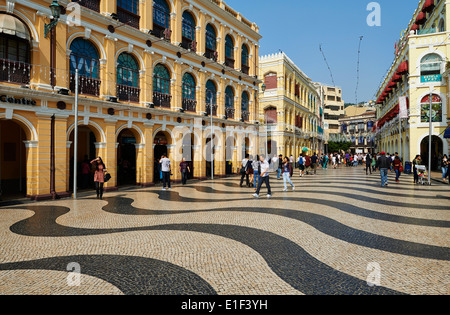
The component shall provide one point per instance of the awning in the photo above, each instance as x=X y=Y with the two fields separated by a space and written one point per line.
x=415 y=27
x=13 y=26
x=421 y=18
x=428 y=6
x=403 y=68
x=447 y=133
x=397 y=78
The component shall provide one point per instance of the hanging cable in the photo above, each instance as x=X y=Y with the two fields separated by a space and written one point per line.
x=326 y=62
x=357 y=70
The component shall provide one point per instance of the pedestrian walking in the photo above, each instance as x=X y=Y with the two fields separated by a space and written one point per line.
x=279 y=170
x=99 y=176
x=325 y=162
x=287 y=173
x=244 y=171
x=397 y=166
x=301 y=165
x=165 y=169
x=368 y=164
x=384 y=164
x=184 y=170
x=264 y=177
x=307 y=164
x=314 y=161
x=444 y=167
x=417 y=161
x=256 y=165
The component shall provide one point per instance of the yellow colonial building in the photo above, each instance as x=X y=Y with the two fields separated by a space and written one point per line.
x=152 y=76
x=290 y=108
x=419 y=76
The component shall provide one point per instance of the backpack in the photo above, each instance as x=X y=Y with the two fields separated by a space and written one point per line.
x=300 y=160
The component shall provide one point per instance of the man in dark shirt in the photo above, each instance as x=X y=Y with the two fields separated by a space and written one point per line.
x=384 y=163
x=314 y=160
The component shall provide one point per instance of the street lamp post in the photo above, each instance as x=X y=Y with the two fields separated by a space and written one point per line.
x=55 y=7
x=263 y=89
x=430 y=134
x=75 y=139
x=212 y=132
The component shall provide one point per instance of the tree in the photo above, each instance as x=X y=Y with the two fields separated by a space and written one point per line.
x=338 y=146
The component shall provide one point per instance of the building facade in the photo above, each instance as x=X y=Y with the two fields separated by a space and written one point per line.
x=417 y=78
x=333 y=108
x=356 y=127
x=153 y=76
x=290 y=108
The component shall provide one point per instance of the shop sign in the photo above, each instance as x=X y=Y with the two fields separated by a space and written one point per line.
x=431 y=78
x=13 y=100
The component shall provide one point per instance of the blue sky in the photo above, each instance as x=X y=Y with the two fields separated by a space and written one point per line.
x=298 y=27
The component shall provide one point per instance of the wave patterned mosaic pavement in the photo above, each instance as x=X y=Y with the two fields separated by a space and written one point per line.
x=214 y=238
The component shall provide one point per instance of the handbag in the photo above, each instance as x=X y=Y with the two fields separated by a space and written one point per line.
x=400 y=168
x=107 y=177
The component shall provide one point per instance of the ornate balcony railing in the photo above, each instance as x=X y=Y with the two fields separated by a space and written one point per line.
x=162 y=100
x=128 y=93
x=245 y=115
x=229 y=62
x=245 y=69
x=189 y=105
x=14 y=71
x=208 y=109
x=229 y=112
x=211 y=54
x=128 y=17
x=86 y=85
x=90 y=4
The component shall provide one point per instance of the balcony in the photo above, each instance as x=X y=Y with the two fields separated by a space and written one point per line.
x=208 y=109
x=162 y=99
x=245 y=115
x=128 y=17
x=189 y=105
x=128 y=93
x=86 y=85
x=93 y=5
x=245 y=69
x=211 y=54
x=14 y=71
x=229 y=112
x=229 y=62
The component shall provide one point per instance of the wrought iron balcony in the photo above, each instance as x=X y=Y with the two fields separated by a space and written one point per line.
x=208 y=109
x=229 y=62
x=128 y=93
x=128 y=17
x=162 y=100
x=86 y=85
x=93 y=5
x=14 y=71
x=245 y=69
x=229 y=112
x=245 y=115
x=189 y=105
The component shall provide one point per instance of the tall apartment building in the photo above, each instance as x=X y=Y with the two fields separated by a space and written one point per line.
x=151 y=75
x=290 y=108
x=333 y=108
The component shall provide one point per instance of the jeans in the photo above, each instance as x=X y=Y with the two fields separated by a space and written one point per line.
x=287 y=178
x=184 y=176
x=384 y=176
x=166 y=179
x=279 y=173
x=444 y=172
x=255 y=178
x=264 y=179
x=397 y=174
x=246 y=178
x=99 y=189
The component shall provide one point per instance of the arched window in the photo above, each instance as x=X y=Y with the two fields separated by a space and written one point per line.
x=188 y=92
x=211 y=42
x=188 y=26
x=211 y=96
x=161 y=86
x=430 y=65
x=229 y=102
x=188 y=86
x=127 y=78
x=84 y=56
x=229 y=51
x=245 y=61
x=245 y=104
x=161 y=17
x=161 y=79
x=271 y=116
x=441 y=25
x=15 y=50
x=436 y=109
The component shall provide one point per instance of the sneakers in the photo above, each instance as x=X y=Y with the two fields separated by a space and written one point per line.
x=256 y=195
x=293 y=188
x=164 y=188
x=285 y=189
x=269 y=196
